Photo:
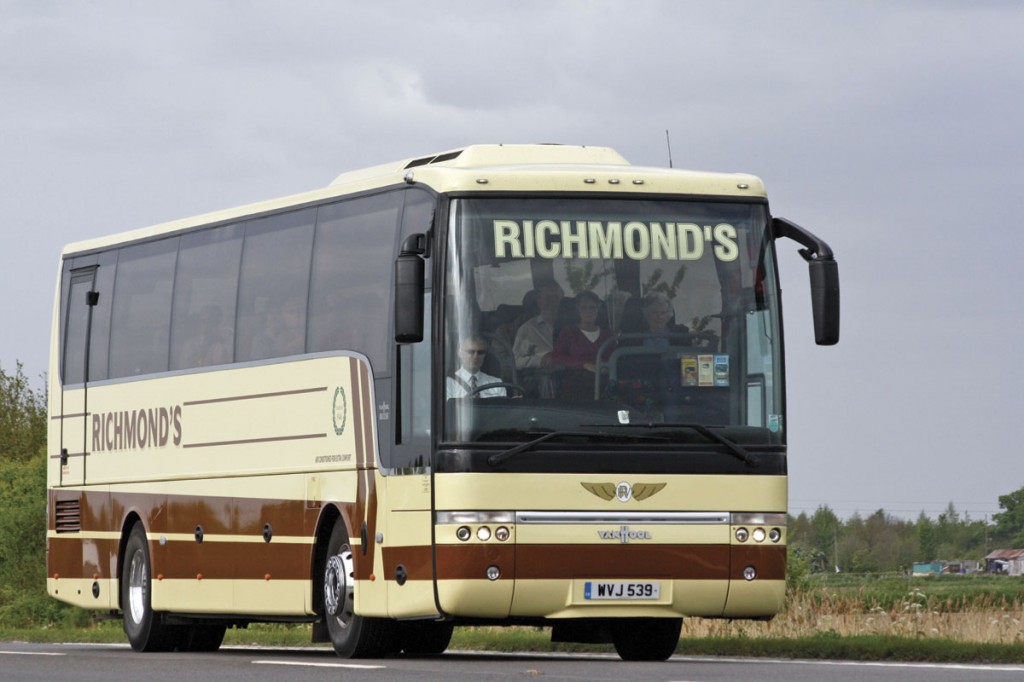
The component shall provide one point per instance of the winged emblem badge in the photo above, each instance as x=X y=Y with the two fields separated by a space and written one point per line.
x=623 y=491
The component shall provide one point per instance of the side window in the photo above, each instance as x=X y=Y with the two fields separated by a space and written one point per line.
x=414 y=380
x=273 y=287
x=77 y=325
x=99 y=345
x=141 y=316
x=350 y=299
x=205 y=289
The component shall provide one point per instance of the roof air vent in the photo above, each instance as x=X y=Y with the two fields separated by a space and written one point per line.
x=448 y=156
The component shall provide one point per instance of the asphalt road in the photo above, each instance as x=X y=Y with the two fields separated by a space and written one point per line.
x=88 y=662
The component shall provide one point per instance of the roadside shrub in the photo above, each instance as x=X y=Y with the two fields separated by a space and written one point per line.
x=23 y=598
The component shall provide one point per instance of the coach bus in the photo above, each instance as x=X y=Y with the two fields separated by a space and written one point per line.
x=506 y=384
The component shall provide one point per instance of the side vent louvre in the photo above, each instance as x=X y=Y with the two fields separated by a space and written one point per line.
x=69 y=516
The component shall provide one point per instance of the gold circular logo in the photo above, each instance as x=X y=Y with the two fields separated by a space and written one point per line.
x=340 y=411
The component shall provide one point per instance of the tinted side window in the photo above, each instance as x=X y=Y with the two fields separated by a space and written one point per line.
x=273 y=288
x=141 y=316
x=65 y=288
x=76 y=324
x=205 y=289
x=100 y=324
x=99 y=345
x=350 y=299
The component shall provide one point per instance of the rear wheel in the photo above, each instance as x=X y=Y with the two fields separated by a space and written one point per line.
x=145 y=628
x=352 y=636
x=647 y=639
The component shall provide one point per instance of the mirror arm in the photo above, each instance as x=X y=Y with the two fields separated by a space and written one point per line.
x=815 y=248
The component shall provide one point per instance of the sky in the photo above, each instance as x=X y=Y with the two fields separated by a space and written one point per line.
x=893 y=130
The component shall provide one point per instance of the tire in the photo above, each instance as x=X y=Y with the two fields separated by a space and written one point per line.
x=647 y=639
x=352 y=636
x=425 y=638
x=145 y=628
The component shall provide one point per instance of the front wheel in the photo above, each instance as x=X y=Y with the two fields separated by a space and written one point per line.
x=647 y=639
x=145 y=628
x=352 y=636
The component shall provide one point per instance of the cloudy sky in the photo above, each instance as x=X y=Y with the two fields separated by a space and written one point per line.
x=894 y=130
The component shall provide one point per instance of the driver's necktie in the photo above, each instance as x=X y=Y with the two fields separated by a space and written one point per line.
x=472 y=383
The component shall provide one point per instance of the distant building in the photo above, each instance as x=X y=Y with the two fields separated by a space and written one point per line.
x=946 y=567
x=1008 y=561
x=928 y=568
x=962 y=566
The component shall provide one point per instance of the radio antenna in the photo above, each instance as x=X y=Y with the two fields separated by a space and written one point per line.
x=668 y=141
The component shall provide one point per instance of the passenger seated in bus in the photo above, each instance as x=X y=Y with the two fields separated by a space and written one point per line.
x=657 y=326
x=210 y=344
x=465 y=381
x=577 y=347
x=284 y=331
x=649 y=353
x=535 y=339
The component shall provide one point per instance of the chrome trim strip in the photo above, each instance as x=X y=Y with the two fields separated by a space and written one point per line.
x=681 y=518
x=448 y=517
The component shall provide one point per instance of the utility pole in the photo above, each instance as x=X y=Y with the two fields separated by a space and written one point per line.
x=835 y=547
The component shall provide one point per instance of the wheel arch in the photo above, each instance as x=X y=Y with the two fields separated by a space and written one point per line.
x=330 y=515
x=130 y=520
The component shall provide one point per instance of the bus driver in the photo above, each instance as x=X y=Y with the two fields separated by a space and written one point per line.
x=468 y=377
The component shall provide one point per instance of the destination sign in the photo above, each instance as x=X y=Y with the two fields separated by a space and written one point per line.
x=613 y=240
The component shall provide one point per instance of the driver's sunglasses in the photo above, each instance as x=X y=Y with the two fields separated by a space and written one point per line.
x=473 y=351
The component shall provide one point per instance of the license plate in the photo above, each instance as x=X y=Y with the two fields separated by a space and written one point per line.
x=621 y=590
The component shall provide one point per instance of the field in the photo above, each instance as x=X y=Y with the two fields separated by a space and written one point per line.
x=976 y=609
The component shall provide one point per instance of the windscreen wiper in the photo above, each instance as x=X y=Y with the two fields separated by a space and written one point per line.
x=734 y=448
x=498 y=458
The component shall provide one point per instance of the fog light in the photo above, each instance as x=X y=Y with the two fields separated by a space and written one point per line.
x=775 y=535
x=463 y=533
x=749 y=573
x=502 y=533
x=483 y=533
x=742 y=534
x=493 y=572
x=759 y=535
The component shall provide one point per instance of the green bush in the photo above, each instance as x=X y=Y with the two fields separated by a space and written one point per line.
x=23 y=598
x=22 y=418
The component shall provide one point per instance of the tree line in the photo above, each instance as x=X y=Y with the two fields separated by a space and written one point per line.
x=882 y=543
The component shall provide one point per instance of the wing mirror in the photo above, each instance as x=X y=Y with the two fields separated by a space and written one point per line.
x=824 y=273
